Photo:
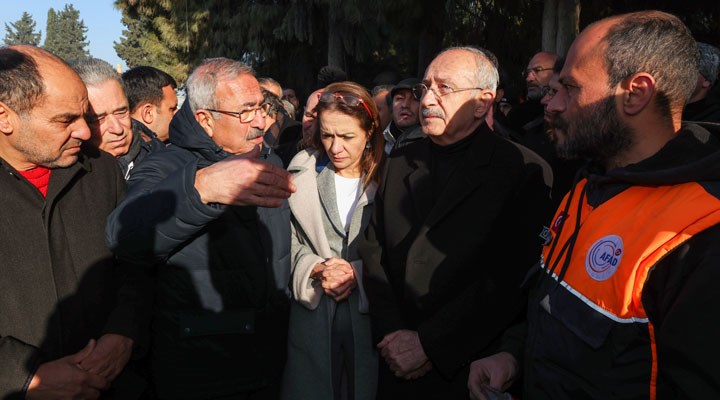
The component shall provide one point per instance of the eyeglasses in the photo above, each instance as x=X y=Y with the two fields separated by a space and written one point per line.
x=245 y=116
x=349 y=99
x=548 y=93
x=534 y=71
x=441 y=90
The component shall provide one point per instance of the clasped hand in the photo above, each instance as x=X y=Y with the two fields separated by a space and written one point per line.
x=404 y=354
x=83 y=375
x=337 y=278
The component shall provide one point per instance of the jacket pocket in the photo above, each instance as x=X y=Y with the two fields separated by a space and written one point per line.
x=227 y=322
x=579 y=316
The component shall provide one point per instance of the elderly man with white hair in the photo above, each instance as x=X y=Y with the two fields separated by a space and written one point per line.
x=454 y=230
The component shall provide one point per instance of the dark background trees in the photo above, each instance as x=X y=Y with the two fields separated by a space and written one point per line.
x=291 y=40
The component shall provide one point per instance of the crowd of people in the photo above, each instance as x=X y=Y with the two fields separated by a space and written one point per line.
x=430 y=239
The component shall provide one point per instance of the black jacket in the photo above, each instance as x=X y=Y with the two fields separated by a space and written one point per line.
x=60 y=284
x=679 y=296
x=402 y=137
x=220 y=317
x=139 y=148
x=704 y=110
x=449 y=264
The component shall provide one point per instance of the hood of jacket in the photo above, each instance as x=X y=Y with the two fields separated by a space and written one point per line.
x=187 y=133
x=693 y=155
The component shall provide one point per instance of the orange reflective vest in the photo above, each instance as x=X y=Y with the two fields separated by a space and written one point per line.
x=613 y=247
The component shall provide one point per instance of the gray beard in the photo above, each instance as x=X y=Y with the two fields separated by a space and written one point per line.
x=535 y=94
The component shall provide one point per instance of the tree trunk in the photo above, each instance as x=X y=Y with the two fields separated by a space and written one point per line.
x=567 y=25
x=549 y=25
x=335 y=46
x=430 y=39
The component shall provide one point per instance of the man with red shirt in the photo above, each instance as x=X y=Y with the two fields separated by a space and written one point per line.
x=69 y=316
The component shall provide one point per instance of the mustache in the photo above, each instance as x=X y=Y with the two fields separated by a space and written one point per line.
x=433 y=112
x=254 y=133
x=559 y=122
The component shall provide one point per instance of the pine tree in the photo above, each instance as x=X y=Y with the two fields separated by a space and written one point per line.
x=130 y=48
x=65 y=34
x=150 y=40
x=22 y=31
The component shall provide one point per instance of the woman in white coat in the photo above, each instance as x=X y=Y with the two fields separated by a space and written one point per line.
x=330 y=349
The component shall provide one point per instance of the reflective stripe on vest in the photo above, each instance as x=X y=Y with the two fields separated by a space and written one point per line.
x=621 y=240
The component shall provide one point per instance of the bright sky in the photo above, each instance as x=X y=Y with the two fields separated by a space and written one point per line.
x=100 y=17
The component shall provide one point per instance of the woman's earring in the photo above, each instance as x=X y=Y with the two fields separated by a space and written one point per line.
x=367 y=145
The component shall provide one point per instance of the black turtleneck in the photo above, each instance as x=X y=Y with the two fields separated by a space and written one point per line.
x=444 y=161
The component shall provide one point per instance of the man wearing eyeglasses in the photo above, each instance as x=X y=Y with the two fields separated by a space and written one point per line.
x=538 y=74
x=220 y=319
x=453 y=232
x=526 y=119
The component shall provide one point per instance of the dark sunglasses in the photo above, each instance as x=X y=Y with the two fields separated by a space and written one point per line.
x=349 y=99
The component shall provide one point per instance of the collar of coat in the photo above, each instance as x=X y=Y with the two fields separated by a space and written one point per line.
x=187 y=133
x=60 y=177
x=307 y=205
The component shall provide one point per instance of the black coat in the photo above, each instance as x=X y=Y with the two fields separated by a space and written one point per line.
x=452 y=271
x=60 y=284
x=703 y=110
x=220 y=317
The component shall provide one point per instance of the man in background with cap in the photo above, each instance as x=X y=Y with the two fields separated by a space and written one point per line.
x=404 y=127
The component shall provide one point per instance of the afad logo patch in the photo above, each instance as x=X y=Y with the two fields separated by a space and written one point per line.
x=604 y=257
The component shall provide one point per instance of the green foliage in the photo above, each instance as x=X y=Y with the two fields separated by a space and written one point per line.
x=22 y=31
x=290 y=40
x=130 y=47
x=65 y=34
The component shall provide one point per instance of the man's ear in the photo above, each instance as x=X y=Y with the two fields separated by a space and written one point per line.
x=637 y=92
x=206 y=121
x=7 y=115
x=147 y=113
x=485 y=101
x=705 y=83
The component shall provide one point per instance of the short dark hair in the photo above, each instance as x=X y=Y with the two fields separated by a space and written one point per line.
x=21 y=86
x=330 y=74
x=380 y=88
x=558 y=66
x=144 y=85
x=659 y=44
x=274 y=101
